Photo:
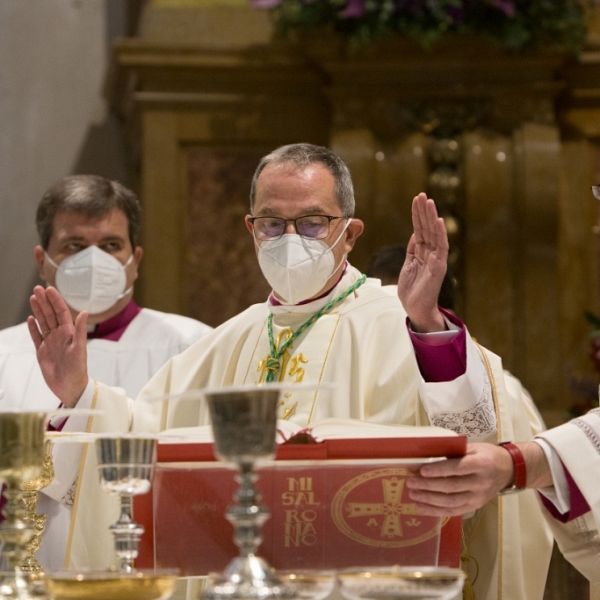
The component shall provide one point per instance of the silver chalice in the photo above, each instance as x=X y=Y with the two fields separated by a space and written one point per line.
x=244 y=428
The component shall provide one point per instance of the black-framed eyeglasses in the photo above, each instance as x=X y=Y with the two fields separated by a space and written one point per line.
x=596 y=191
x=314 y=227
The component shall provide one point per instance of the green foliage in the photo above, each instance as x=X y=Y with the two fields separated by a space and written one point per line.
x=514 y=24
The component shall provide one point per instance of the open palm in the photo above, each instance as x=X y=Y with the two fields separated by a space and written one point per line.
x=424 y=268
x=60 y=344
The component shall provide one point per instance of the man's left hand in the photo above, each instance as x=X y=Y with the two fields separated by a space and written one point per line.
x=424 y=268
x=458 y=486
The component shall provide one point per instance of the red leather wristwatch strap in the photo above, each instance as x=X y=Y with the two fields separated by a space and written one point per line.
x=520 y=476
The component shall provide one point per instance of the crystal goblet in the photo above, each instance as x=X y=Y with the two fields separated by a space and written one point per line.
x=125 y=465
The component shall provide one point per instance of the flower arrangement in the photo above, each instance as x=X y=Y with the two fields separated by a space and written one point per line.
x=513 y=24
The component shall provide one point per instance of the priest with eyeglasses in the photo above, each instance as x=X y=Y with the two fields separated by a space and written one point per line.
x=393 y=355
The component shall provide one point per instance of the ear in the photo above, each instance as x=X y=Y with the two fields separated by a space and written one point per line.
x=354 y=230
x=40 y=261
x=249 y=225
x=137 y=257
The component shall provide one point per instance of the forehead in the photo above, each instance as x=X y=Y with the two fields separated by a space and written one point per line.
x=69 y=224
x=287 y=188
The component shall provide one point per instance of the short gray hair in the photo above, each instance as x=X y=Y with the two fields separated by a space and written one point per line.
x=89 y=195
x=303 y=155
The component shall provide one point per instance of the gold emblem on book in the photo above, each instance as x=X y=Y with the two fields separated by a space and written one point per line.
x=372 y=509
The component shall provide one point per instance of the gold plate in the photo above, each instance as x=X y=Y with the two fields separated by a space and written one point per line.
x=116 y=586
x=400 y=583
x=308 y=584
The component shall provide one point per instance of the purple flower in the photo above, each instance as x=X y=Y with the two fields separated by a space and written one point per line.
x=412 y=6
x=506 y=6
x=457 y=15
x=265 y=3
x=353 y=10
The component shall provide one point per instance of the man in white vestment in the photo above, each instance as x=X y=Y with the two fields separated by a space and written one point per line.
x=324 y=322
x=88 y=228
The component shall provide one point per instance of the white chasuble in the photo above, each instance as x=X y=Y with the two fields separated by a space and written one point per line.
x=363 y=349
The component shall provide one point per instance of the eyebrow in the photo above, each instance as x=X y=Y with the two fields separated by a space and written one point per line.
x=80 y=238
x=313 y=210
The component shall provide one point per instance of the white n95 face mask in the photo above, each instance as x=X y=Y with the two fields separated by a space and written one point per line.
x=91 y=280
x=297 y=268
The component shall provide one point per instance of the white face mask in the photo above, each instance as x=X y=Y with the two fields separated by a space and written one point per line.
x=91 y=280
x=298 y=268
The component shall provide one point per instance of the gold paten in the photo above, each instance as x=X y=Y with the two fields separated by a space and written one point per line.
x=400 y=583
x=116 y=586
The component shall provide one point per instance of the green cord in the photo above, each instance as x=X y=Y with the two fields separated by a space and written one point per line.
x=274 y=359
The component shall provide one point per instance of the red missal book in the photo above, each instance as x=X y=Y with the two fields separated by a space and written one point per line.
x=335 y=492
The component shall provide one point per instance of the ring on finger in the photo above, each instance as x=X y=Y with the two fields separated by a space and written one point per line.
x=45 y=333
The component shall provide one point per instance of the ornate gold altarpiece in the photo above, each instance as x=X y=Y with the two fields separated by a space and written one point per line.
x=507 y=144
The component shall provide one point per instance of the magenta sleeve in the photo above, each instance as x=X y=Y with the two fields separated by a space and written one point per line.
x=579 y=505
x=442 y=362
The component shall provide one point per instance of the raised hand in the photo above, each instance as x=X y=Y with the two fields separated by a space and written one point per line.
x=60 y=345
x=424 y=268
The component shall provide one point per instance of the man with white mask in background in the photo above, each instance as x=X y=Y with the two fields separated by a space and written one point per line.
x=323 y=323
x=88 y=228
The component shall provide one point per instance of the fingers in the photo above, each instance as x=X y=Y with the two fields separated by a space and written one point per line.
x=42 y=309
x=429 y=228
x=36 y=308
x=81 y=329
x=59 y=307
x=441 y=239
x=448 y=504
x=441 y=500
x=419 y=218
x=443 y=485
x=451 y=467
x=34 y=332
x=49 y=309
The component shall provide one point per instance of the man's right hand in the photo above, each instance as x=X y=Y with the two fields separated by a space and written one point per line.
x=60 y=345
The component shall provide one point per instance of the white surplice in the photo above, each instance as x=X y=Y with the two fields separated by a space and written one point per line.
x=577 y=444
x=363 y=347
x=147 y=343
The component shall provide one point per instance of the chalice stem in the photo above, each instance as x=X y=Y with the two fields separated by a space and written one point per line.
x=31 y=490
x=15 y=532
x=127 y=534
x=30 y=564
x=247 y=516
